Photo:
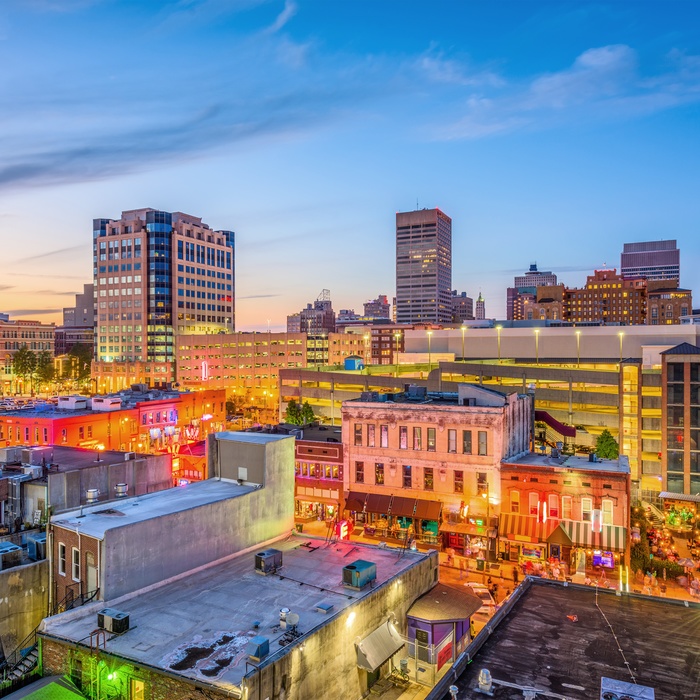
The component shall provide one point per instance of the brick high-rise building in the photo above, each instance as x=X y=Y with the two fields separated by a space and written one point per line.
x=525 y=289
x=655 y=260
x=423 y=266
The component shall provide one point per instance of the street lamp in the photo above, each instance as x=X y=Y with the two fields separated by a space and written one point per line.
x=488 y=519
x=537 y=346
x=498 y=331
x=463 y=329
x=397 y=337
x=99 y=449
x=578 y=348
x=430 y=333
x=621 y=334
x=367 y=348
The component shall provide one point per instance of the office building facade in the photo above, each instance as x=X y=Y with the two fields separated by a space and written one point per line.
x=655 y=260
x=423 y=267
x=157 y=274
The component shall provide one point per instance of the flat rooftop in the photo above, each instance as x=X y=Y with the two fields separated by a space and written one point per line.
x=198 y=625
x=538 y=645
x=66 y=459
x=568 y=462
x=97 y=519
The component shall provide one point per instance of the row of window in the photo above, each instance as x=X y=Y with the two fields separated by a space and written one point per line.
x=360 y=431
x=553 y=502
x=362 y=475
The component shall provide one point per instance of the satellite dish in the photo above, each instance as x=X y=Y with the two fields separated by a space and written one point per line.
x=292 y=620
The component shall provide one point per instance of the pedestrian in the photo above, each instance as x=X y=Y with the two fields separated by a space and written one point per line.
x=515 y=575
x=461 y=568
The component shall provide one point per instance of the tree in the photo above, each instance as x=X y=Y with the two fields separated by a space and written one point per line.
x=292 y=414
x=45 y=371
x=81 y=356
x=307 y=414
x=24 y=363
x=606 y=446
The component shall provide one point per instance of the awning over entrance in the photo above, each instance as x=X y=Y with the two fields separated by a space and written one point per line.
x=579 y=533
x=403 y=507
x=355 y=501
x=464 y=528
x=428 y=510
x=612 y=537
x=377 y=503
x=525 y=528
x=378 y=647
x=689 y=497
x=560 y=536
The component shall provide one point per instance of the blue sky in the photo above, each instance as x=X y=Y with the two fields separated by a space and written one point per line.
x=549 y=131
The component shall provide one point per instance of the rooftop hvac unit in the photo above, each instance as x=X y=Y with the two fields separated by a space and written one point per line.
x=268 y=561
x=36 y=546
x=33 y=472
x=10 y=554
x=359 y=574
x=36 y=456
x=113 y=620
x=129 y=455
x=10 y=455
x=611 y=689
x=258 y=648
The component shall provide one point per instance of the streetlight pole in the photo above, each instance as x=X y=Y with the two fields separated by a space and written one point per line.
x=578 y=348
x=488 y=520
x=464 y=328
x=397 y=336
x=430 y=333
x=537 y=346
x=498 y=332
x=621 y=334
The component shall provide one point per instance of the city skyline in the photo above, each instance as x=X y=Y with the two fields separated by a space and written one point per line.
x=541 y=128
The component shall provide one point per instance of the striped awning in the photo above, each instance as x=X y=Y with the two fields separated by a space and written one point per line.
x=611 y=538
x=525 y=528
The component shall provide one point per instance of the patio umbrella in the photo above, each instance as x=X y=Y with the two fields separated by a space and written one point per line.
x=686 y=561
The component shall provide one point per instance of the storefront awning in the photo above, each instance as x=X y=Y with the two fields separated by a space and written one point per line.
x=464 y=528
x=355 y=501
x=611 y=538
x=378 y=647
x=689 y=497
x=403 y=507
x=377 y=503
x=428 y=510
x=525 y=528
x=560 y=536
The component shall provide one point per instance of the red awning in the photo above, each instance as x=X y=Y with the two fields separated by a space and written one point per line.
x=526 y=528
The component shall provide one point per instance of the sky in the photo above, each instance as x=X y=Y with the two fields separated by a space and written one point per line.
x=550 y=132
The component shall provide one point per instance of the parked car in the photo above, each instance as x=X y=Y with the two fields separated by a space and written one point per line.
x=488 y=604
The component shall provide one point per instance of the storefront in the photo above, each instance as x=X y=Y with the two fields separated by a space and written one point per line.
x=468 y=538
x=593 y=550
x=311 y=503
x=522 y=538
x=680 y=510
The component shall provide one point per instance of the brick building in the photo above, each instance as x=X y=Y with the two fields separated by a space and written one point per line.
x=428 y=464
x=15 y=334
x=567 y=508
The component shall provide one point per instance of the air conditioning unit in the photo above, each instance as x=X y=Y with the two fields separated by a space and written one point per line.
x=359 y=574
x=258 y=648
x=268 y=561
x=10 y=555
x=129 y=455
x=36 y=546
x=611 y=689
x=33 y=472
x=113 y=620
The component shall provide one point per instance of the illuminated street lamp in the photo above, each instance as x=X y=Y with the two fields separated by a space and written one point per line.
x=463 y=329
x=537 y=346
x=498 y=331
x=99 y=449
x=622 y=335
x=578 y=348
x=397 y=337
x=430 y=333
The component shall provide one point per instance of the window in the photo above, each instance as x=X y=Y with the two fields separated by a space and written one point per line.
x=137 y=690
x=384 y=436
x=467 y=442
x=459 y=481
x=553 y=505
x=533 y=500
x=482 y=483
x=378 y=473
x=428 y=479
x=483 y=442
x=370 y=435
x=586 y=508
x=360 y=472
x=417 y=439
x=566 y=507
x=61 y=558
x=403 y=437
x=89 y=431
x=452 y=441
x=607 y=511
x=407 y=482
x=75 y=568
x=358 y=434
x=431 y=439
x=81 y=432
x=515 y=501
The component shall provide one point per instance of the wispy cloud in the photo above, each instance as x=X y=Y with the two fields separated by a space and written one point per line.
x=289 y=10
x=51 y=276
x=32 y=312
x=5 y=287
x=49 y=292
x=51 y=253
x=603 y=84
x=259 y=296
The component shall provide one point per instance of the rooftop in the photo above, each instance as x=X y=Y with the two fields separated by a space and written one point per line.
x=539 y=644
x=569 y=462
x=98 y=519
x=189 y=625
x=445 y=603
x=66 y=459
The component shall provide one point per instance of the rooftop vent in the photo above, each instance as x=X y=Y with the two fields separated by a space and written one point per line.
x=121 y=490
x=268 y=561
x=359 y=574
x=416 y=393
x=92 y=495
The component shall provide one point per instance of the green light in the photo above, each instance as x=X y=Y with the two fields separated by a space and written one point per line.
x=111 y=676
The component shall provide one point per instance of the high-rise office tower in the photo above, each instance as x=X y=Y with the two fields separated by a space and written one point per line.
x=480 y=312
x=655 y=260
x=423 y=266
x=525 y=288
x=157 y=274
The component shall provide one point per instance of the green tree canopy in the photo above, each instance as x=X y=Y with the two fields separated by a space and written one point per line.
x=292 y=414
x=24 y=362
x=44 y=367
x=307 y=414
x=606 y=446
x=82 y=359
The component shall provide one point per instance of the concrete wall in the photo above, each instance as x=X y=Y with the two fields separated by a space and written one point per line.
x=143 y=475
x=24 y=594
x=147 y=552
